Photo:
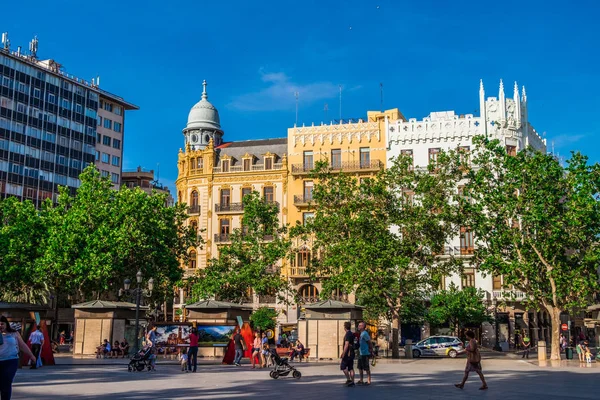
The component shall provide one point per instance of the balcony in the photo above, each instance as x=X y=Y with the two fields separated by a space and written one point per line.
x=456 y=251
x=509 y=295
x=298 y=272
x=240 y=168
x=267 y=299
x=346 y=166
x=222 y=238
x=302 y=200
x=233 y=208
x=229 y=208
x=194 y=210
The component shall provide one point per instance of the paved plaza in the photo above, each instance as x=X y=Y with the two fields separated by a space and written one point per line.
x=420 y=379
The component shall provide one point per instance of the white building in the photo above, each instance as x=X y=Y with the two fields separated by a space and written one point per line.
x=501 y=118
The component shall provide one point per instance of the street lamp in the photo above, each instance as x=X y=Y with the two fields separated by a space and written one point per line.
x=138 y=292
x=496 y=327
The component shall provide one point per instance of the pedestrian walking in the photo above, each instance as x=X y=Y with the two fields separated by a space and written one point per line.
x=37 y=341
x=10 y=344
x=256 y=352
x=526 y=346
x=151 y=341
x=473 y=362
x=347 y=363
x=264 y=345
x=365 y=351
x=238 y=341
x=192 y=356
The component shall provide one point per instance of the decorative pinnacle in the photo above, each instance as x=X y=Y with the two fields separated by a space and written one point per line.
x=501 y=88
x=516 y=91
x=524 y=95
x=204 y=94
x=481 y=85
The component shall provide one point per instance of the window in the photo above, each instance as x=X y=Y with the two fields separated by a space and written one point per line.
x=247 y=163
x=309 y=294
x=511 y=150
x=192 y=261
x=66 y=104
x=468 y=278
x=303 y=257
x=336 y=158
x=108 y=106
x=105 y=173
x=194 y=226
x=105 y=158
x=114 y=178
x=433 y=155
x=193 y=163
x=98 y=138
x=408 y=197
x=224 y=226
x=118 y=110
x=464 y=153
x=37 y=93
x=99 y=120
x=225 y=166
x=306 y=217
x=116 y=161
x=117 y=127
x=106 y=140
x=116 y=144
x=268 y=194
x=246 y=192
x=200 y=163
x=21 y=87
x=268 y=162
x=97 y=156
x=107 y=123
x=308 y=190
x=466 y=241
x=194 y=199
x=78 y=108
x=21 y=108
x=308 y=161
x=497 y=282
x=408 y=153
x=225 y=197
x=365 y=157
x=51 y=98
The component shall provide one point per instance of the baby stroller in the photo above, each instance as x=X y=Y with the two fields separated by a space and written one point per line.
x=281 y=367
x=141 y=360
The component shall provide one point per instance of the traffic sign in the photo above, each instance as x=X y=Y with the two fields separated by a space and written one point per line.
x=564 y=327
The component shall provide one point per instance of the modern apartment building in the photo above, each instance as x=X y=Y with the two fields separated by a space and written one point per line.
x=52 y=125
x=144 y=179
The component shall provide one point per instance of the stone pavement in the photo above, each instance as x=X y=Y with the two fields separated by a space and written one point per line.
x=419 y=379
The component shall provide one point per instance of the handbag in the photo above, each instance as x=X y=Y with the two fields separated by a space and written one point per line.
x=474 y=356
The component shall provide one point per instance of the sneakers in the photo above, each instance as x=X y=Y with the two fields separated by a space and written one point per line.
x=351 y=384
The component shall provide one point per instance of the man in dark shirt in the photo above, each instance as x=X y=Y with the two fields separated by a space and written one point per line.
x=239 y=348
x=347 y=364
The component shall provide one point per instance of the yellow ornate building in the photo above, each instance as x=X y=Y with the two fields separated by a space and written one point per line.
x=214 y=175
x=355 y=147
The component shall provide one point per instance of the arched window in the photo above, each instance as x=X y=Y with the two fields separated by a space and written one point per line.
x=192 y=262
x=194 y=199
x=303 y=257
x=309 y=294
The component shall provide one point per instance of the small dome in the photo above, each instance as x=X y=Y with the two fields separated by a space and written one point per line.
x=204 y=114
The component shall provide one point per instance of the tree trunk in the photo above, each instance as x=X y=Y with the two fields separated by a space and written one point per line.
x=555 y=339
x=395 y=331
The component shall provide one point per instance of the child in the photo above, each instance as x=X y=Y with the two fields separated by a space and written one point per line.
x=183 y=360
x=588 y=353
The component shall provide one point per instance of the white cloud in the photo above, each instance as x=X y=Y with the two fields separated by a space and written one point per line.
x=279 y=93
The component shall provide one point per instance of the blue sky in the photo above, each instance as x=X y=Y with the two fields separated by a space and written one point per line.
x=429 y=55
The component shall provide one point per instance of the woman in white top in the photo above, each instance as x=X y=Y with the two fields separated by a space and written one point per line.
x=11 y=343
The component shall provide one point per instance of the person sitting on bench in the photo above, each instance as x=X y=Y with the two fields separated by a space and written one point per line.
x=298 y=351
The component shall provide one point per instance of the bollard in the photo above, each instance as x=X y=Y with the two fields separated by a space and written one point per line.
x=408 y=349
x=542 y=351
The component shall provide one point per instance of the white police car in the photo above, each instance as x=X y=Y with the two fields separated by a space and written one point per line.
x=447 y=346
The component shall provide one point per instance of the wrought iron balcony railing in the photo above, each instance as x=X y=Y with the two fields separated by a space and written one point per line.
x=235 y=207
x=367 y=165
x=298 y=200
x=194 y=209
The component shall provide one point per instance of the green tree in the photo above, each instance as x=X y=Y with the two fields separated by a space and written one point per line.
x=250 y=261
x=459 y=308
x=101 y=236
x=381 y=237
x=263 y=318
x=22 y=229
x=537 y=223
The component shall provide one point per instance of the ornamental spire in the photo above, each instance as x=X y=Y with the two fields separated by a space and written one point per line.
x=204 y=94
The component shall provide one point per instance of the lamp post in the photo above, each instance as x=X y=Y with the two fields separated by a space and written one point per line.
x=496 y=327
x=138 y=292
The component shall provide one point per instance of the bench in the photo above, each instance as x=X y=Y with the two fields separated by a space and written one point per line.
x=285 y=352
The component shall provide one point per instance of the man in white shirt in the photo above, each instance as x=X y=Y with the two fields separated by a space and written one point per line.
x=37 y=341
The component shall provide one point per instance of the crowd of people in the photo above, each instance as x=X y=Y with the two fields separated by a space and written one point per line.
x=116 y=350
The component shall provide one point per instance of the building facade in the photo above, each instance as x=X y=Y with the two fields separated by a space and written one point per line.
x=144 y=179
x=52 y=125
x=500 y=118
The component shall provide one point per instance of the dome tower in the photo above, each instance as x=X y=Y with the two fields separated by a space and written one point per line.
x=203 y=124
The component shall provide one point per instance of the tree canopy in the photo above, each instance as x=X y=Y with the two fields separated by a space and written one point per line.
x=536 y=224
x=459 y=308
x=252 y=259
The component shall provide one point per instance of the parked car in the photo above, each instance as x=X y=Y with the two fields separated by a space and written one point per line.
x=446 y=346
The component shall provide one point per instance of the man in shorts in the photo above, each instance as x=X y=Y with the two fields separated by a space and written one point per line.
x=365 y=350
x=347 y=364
